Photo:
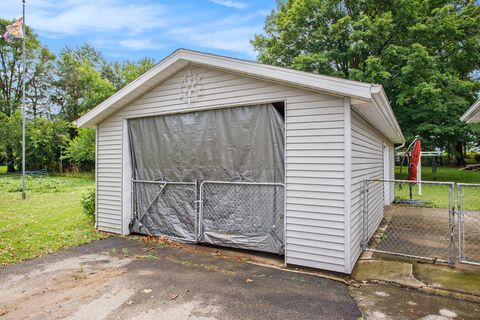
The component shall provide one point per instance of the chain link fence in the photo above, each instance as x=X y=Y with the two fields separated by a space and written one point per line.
x=165 y=209
x=245 y=215
x=413 y=219
x=469 y=223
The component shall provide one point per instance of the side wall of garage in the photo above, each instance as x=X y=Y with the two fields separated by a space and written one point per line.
x=315 y=219
x=367 y=163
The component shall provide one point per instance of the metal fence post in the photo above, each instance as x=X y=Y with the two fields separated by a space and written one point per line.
x=200 y=212
x=460 y=223
x=452 y=225
x=197 y=208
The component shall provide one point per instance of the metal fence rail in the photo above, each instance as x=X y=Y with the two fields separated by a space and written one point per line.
x=418 y=222
x=468 y=195
x=243 y=214
x=165 y=208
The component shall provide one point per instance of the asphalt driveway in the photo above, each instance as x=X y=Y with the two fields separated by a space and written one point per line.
x=120 y=278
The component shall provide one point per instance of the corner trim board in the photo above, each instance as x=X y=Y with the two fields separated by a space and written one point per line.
x=347 y=181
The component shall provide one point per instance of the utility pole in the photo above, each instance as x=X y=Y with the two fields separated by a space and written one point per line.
x=24 y=193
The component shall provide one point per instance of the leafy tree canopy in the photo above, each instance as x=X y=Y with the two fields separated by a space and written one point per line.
x=426 y=53
x=82 y=147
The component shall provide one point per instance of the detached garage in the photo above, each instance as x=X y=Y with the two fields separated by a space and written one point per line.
x=210 y=149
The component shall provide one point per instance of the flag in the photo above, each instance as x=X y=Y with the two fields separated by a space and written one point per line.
x=416 y=157
x=14 y=31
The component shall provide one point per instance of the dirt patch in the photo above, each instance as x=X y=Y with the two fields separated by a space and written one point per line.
x=44 y=289
x=222 y=253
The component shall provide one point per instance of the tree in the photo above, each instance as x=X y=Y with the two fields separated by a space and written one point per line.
x=10 y=137
x=39 y=84
x=424 y=52
x=79 y=86
x=45 y=139
x=121 y=74
x=38 y=65
x=81 y=149
x=132 y=70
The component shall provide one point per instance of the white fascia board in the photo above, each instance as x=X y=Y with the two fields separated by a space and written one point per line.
x=472 y=115
x=381 y=103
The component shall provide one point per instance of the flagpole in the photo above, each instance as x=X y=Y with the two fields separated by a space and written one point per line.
x=24 y=194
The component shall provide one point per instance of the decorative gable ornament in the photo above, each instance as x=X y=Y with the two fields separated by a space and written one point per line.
x=190 y=87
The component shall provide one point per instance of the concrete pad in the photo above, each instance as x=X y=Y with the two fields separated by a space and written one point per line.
x=390 y=271
x=401 y=303
x=443 y=277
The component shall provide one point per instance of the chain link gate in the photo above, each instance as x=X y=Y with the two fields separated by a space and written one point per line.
x=165 y=208
x=418 y=223
x=246 y=215
x=468 y=197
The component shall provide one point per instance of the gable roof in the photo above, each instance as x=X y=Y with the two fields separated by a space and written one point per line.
x=369 y=100
x=472 y=115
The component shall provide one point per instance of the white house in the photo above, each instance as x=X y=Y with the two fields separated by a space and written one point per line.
x=472 y=115
x=264 y=131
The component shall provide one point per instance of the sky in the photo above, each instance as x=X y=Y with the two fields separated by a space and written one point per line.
x=124 y=29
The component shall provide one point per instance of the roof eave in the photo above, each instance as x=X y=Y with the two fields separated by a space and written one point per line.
x=472 y=114
x=380 y=101
x=97 y=114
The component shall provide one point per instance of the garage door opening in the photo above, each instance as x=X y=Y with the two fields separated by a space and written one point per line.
x=214 y=176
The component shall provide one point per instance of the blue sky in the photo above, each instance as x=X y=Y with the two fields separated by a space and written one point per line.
x=124 y=29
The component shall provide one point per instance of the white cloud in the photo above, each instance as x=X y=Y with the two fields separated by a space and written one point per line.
x=73 y=17
x=119 y=25
x=235 y=39
x=233 y=33
x=140 y=44
x=230 y=3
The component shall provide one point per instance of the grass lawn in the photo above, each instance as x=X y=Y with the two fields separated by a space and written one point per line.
x=437 y=195
x=50 y=219
x=451 y=174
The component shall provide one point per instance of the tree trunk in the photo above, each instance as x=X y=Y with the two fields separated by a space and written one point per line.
x=10 y=159
x=459 y=153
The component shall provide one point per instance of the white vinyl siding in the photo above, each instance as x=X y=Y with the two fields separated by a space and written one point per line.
x=315 y=226
x=367 y=163
x=391 y=161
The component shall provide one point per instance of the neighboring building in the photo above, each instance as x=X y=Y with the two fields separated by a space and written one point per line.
x=335 y=134
x=473 y=113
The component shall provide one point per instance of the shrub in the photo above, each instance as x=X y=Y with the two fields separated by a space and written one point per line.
x=477 y=157
x=81 y=150
x=88 y=203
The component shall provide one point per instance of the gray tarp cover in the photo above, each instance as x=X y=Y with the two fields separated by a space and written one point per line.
x=230 y=144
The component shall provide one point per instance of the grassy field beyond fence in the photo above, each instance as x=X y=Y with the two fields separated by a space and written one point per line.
x=437 y=196
x=49 y=219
